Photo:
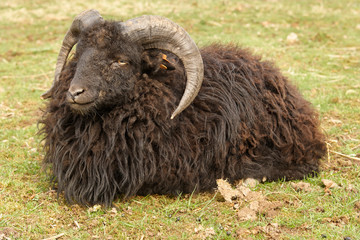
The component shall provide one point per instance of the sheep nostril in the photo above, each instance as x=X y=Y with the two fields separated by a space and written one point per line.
x=76 y=92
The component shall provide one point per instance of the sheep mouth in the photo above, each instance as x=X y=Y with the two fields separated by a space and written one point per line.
x=82 y=108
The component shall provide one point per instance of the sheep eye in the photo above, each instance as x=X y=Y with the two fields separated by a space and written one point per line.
x=122 y=63
x=119 y=63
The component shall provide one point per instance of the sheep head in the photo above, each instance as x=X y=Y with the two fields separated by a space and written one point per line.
x=107 y=67
x=114 y=57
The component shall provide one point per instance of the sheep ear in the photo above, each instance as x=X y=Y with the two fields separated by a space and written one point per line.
x=166 y=64
x=152 y=62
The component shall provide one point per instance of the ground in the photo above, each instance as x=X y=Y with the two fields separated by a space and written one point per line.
x=314 y=43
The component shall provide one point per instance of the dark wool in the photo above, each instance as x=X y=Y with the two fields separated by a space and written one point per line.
x=247 y=121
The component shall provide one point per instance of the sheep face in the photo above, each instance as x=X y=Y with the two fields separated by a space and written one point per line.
x=106 y=70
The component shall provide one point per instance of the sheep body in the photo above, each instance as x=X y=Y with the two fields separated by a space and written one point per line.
x=247 y=121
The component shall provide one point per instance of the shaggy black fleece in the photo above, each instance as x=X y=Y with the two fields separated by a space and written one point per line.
x=247 y=121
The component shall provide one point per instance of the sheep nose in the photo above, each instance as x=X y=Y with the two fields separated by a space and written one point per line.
x=74 y=92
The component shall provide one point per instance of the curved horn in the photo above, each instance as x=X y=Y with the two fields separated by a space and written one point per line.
x=159 y=32
x=80 y=23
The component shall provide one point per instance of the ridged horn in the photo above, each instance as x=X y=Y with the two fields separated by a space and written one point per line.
x=80 y=23
x=161 y=33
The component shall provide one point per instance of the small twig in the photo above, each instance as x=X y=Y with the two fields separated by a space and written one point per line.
x=36 y=207
x=344 y=155
x=27 y=76
x=45 y=75
x=2 y=236
x=358 y=146
x=55 y=237
x=292 y=195
x=39 y=89
x=77 y=224
x=328 y=151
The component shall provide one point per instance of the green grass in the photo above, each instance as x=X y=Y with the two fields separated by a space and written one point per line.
x=324 y=63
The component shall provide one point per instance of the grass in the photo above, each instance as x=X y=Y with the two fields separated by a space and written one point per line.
x=324 y=62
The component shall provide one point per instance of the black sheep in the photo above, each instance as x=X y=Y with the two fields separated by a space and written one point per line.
x=108 y=128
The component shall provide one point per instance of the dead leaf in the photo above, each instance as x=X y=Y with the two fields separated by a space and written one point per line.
x=272 y=230
x=320 y=209
x=327 y=191
x=350 y=91
x=326 y=220
x=351 y=188
x=322 y=37
x=8 y=231
x=263 y=207
x=345 y=163
x=338 y=221
x=242 y=233
x=94 y=208
x=239 y=8
x=128 y=210
x=250 y=182
x=246 y=214
x=270 y=209
x=236 y=206
x=113 y=211
x=225 y=189
x=265 y=23
x=247 y=195
x=329 y=183
x=301 y=186
x=334 y=100
x=357 y=205
x=204 y=232
x=2 y=236
x=254 y=206
x=292 y=38
x=198 y=229
x=335 y=121
x=249 y=204
x=209 y=232
x=244 y=191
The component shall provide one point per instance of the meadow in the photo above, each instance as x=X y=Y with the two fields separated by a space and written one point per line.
x=315 y=43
